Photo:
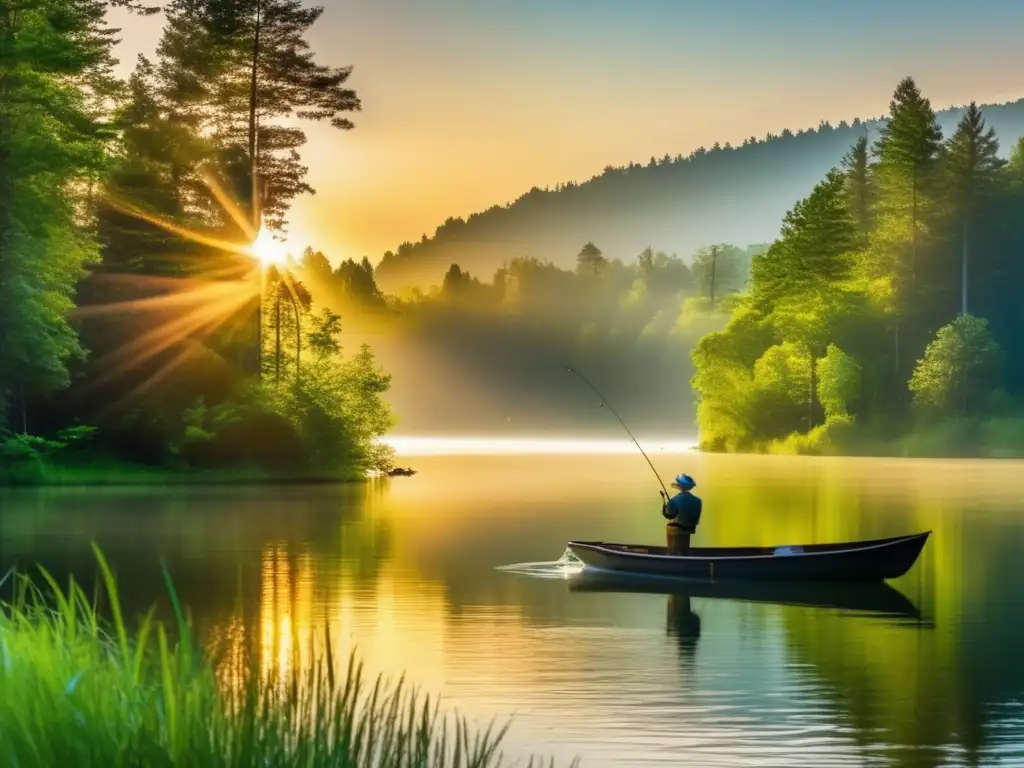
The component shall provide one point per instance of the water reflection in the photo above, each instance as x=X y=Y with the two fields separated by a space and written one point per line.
x=682 y=623
x=878 y=598
x=920 y=673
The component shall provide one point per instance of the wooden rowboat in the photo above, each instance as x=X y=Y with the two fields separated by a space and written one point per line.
x=875 y=560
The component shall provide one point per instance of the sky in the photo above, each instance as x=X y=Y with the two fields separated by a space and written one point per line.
x=470 y=104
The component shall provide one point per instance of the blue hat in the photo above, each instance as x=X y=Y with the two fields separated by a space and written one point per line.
x=684 y=483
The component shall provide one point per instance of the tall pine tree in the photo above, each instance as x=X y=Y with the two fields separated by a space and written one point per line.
x=906 y=150
x=858 y=182
x=272 y=75
x=970 y=164
x=800 y=280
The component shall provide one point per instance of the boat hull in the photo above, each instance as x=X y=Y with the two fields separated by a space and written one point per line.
x=858 y=561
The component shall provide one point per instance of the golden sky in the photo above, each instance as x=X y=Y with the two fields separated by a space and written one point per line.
x=469 y=105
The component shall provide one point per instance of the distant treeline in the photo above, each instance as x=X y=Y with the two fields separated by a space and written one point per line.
x=475 y=356
x=726 y=193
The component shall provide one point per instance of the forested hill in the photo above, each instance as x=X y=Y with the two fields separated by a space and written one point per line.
x=723 y=194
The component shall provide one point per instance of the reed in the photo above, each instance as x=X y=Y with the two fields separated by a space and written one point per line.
x=78 y=690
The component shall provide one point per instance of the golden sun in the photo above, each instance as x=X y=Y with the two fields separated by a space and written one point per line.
x=268 y=250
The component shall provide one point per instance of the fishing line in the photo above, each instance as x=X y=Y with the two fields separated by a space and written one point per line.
x=604 y=401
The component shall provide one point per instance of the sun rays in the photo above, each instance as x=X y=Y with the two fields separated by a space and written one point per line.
x=172 y=319
x=268 y=250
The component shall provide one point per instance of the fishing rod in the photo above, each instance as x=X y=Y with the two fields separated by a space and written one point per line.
x=604 y=401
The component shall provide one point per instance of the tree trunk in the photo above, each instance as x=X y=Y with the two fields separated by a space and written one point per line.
x=256 y=190
x=6 y=51
x=963 y=274
x=964 y=378
x=298 y=337
x=913 y=228
x=24 y=411
x=259 y=332
x=896 y=339
x=714 y=262
x=277 y=328
x=812 y=395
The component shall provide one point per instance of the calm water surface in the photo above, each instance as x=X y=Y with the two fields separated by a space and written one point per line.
x=406 y=571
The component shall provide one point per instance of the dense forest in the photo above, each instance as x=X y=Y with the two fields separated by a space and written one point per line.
x=130 y=303
x=139 y=330
x=487 y=357
x=736 y=194
x=885 y=317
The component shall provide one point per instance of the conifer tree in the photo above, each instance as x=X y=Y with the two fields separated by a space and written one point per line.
x=907 y=150
x=858 y=183
x=273 y=75
x=590 y=261
x=970 y=165
x=233 y=70
x=813 y=251
x=800 y=278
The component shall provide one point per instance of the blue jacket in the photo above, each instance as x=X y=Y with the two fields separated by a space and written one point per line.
x=683 y=509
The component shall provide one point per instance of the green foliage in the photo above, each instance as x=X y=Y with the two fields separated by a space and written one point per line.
x=839 y=381
x=906 y=149
x=719 y=270
x=590 y=261
x=23 y=457
x=54 y=76
x=335 y=403
x=82 y=690
x=970 y=161
x=864 y=268
x=962 y=362
x=858 y=182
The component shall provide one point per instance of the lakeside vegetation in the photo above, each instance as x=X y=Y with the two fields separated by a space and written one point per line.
x=884 y=318
x=79 y=690
x=141 y=336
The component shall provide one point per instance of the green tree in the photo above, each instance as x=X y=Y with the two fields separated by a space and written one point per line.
x=645 y=263
x=813 y=252
x=907 y=150
x=838 y=383
x=273 y=76
x=359 y=283
x=971 y=165
x=236 y=71
x=856 y=164
x=149 y=185
x=590 y=261
x=801 y=279
x=962 y=361
x=55 y=63
x=336 y=404
x=719 y=269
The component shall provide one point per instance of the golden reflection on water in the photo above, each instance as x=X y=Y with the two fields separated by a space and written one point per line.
x=403 y=571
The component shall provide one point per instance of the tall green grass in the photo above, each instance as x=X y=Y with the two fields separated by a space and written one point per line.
x=76 y=690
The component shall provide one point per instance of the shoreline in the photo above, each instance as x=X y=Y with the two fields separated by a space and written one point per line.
x=128 y=475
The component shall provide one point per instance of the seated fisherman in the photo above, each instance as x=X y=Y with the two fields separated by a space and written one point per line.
x=683 y=513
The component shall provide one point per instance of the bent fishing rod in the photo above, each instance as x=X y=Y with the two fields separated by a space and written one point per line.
x=604 y=401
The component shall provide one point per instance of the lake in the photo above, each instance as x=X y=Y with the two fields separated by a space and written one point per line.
x=407 y=572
